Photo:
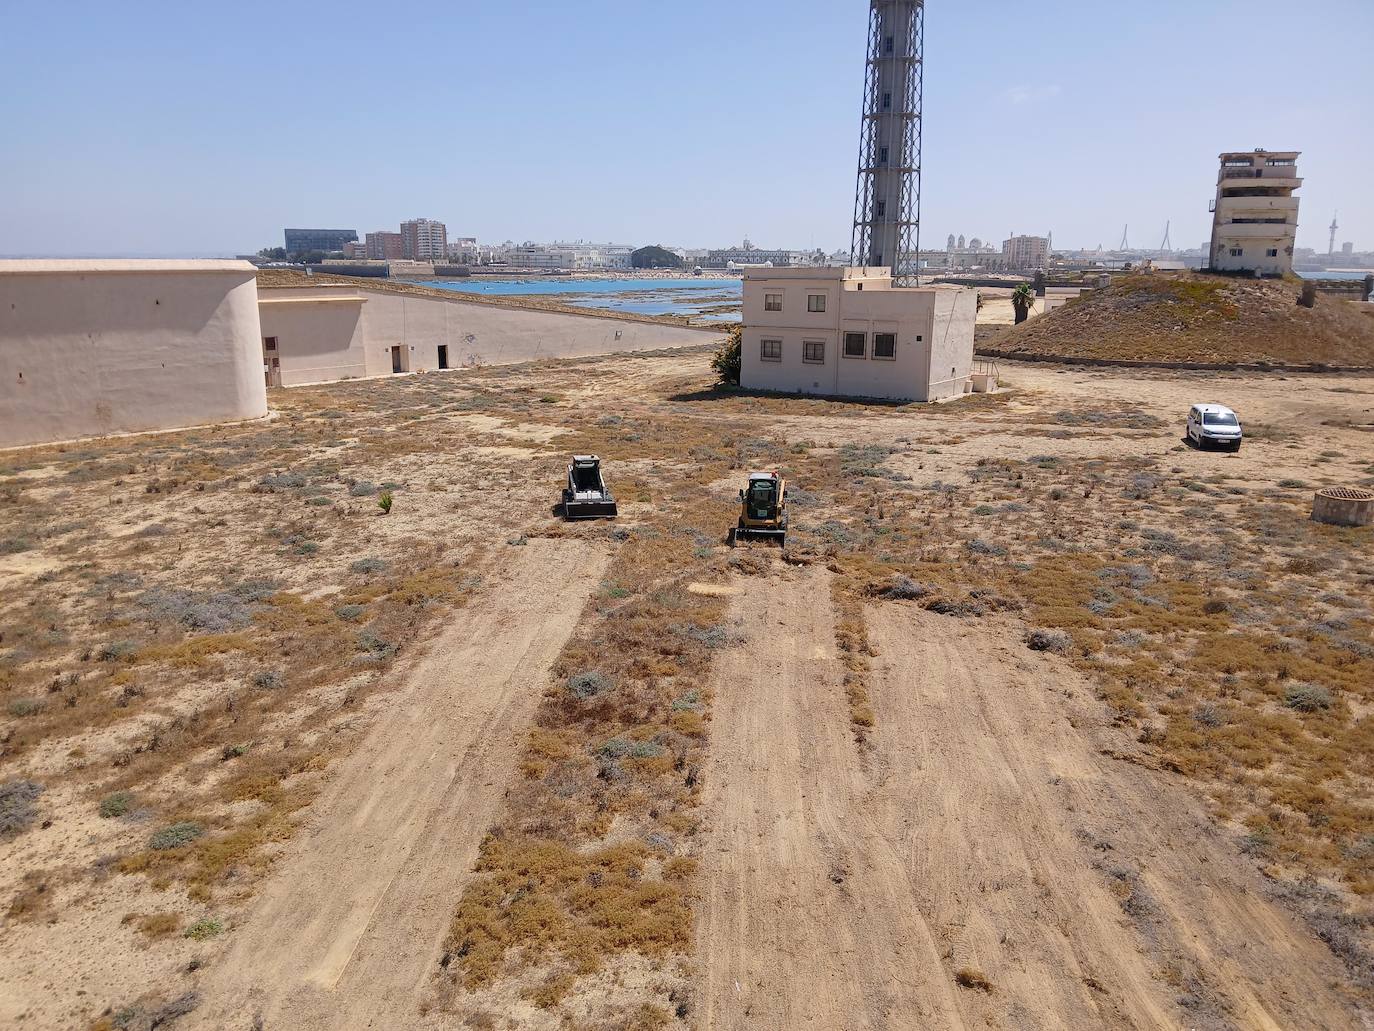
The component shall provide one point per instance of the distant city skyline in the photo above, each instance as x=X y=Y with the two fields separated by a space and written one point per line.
x=167 y=130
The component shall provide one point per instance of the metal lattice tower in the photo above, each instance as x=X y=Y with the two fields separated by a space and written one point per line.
x=1125 y=246
x=1165 y=246
x=887 y=198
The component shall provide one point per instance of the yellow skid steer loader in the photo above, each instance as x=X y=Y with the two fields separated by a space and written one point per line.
x=763 y=509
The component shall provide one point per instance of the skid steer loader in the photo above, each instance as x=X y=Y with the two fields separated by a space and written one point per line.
x=763 y=509
x=586 y=496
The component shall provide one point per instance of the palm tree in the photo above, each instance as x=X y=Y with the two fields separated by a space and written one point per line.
x=1021 y=300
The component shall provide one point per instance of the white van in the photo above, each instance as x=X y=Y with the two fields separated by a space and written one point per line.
x=1213 y=424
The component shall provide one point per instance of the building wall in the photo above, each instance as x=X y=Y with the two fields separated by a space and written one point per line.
x=90 y=348
x=350 y=332
x=932 y=356
x=386 y=246
x=319 y=334
x=301 y=240
x=951 y=343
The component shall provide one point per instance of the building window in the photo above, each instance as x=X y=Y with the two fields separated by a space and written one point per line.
x=772 y=302
x=770 y=350
x=887 y=101
x=855 y=344
x=882 y=155
x=884 y=345
x=813 y=352
x=270 y=343
x=887 y=44
x=1237 y=252
x=1272 y=252
x=880 y=209
x=815 y=302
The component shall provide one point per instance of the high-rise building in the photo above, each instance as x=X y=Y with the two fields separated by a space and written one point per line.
x=1348 y=248
x=1255 y=214
x=424 y=239
x=386 y=246
x=1026 y=252
x=303 y=241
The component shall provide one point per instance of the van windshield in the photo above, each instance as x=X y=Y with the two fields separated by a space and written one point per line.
x=1219 y=419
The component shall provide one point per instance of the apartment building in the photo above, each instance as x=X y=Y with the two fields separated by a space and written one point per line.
x=303 y=241
x=1026 y=252
x=385 y=246
x=1255 y=212
x=849 y=332
x=424 y=239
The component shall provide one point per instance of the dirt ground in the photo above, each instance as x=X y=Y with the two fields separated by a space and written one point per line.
x=828 y=787
x=983 y=833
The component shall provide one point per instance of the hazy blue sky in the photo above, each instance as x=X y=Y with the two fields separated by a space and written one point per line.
x=199 y=128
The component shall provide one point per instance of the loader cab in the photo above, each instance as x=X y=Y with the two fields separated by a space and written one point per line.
x=760 y=499
x=762 y=509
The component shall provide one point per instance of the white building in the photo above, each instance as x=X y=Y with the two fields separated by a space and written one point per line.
x=849 y=332
x=1255 y=214
x=116 y=346
x=577 y=257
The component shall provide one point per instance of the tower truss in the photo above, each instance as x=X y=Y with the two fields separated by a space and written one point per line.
x=887 y=197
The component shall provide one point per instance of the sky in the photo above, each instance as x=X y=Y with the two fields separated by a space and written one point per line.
x=140 y=128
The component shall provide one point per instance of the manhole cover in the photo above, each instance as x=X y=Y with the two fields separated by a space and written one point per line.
x=1347 y=493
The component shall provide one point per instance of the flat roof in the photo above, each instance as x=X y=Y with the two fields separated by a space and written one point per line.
x=817 y=272
x=21 y=266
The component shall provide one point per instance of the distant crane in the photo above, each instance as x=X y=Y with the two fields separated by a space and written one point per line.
x=1331 y=247
x=1165 y=245
x=1125 y=246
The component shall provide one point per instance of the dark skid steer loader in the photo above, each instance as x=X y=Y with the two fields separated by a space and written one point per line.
x=586 y=495
x=763 y=509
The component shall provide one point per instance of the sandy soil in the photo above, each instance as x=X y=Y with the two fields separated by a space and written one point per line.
x=995 y=823
x=983 y=832
x=349 y=930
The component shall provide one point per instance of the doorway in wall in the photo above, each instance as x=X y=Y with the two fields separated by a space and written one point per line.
x=271 y=361
x=397 y=359
x=443 y=356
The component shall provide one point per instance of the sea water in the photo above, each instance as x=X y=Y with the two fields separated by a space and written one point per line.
x=685 y=296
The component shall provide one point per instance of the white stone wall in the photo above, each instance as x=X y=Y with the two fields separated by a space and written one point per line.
x=333 y=340
x=89 y=348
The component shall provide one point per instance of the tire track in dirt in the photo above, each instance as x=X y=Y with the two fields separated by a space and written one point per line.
x=1091 y=892
x=796 y=929
x=348 y=931
x=983 y=830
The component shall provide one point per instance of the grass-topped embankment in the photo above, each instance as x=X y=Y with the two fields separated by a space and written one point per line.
x=1196 y=317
